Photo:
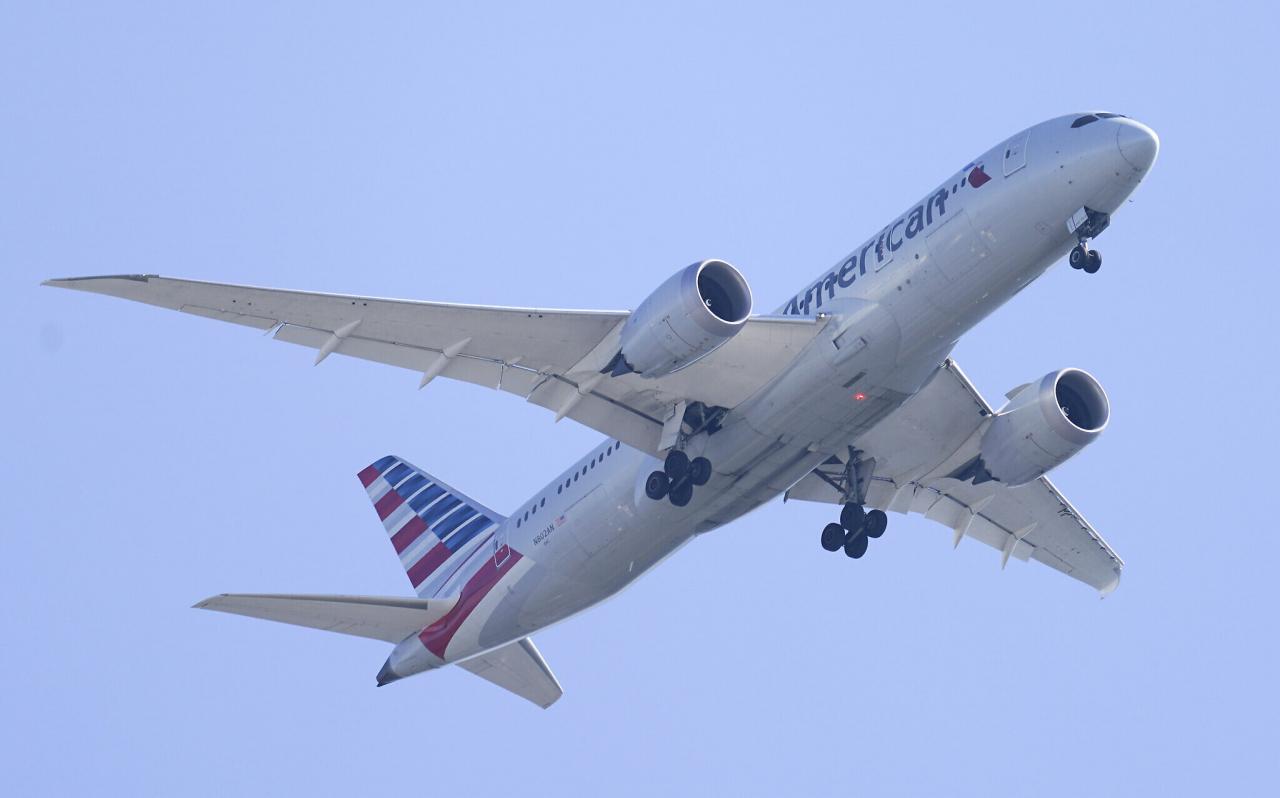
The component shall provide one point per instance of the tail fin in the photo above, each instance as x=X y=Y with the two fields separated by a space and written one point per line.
x=433 y=527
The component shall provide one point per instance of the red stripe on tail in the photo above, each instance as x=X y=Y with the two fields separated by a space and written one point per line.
x=430 y=561
x=367 y=476
x=408 y=534
x=388 y=503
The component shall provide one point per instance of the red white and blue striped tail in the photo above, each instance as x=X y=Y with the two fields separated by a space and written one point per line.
x=435 y=529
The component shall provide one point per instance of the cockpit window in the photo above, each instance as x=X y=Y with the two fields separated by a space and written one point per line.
x=1088 y=118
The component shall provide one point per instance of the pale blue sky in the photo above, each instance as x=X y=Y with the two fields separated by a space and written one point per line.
x=570 y=156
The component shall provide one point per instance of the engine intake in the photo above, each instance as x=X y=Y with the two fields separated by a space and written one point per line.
x=1044 y=425
x=689 y=316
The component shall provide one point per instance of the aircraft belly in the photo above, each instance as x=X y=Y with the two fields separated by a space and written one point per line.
x=876 y=352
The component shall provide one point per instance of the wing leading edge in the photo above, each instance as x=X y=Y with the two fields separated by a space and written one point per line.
x=551 y=358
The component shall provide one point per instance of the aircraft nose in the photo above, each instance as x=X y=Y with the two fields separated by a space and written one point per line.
x=1138 y=144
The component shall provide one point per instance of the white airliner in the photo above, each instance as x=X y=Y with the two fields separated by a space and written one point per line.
x=846 y=394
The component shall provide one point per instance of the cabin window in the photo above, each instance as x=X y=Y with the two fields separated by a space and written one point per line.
x=543 y=503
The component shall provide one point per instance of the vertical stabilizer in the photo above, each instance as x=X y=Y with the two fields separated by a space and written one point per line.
x=434 y=528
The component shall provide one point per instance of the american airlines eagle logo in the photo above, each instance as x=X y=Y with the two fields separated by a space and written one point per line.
x=976 y=175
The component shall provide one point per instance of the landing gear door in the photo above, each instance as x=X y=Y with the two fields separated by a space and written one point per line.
x=1015 y=154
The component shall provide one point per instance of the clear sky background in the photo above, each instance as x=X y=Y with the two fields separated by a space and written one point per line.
x=568 y=156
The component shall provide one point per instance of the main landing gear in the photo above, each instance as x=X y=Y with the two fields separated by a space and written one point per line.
x=678 y=477
x=680 y=474
x=857 y=525
x=854 y=532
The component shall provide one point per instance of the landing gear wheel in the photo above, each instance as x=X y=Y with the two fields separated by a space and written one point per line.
x=681 y=493
x=855 y=546
x=852 y=516
x=1078 y=257
x=1092 y=262
x=657 y=485
x=699 y=471
x=832 y=537
x=676 y=464
x=877 y=522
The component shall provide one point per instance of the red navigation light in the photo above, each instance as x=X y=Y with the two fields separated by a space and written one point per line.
x=859 y=396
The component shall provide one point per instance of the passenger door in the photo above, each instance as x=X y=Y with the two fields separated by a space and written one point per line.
x=1015 y=154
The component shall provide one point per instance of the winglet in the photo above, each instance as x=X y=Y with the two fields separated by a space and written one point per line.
x=1110 y=587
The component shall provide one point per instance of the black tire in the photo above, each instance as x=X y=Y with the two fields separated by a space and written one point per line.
x=855 y=546
x=681 y=493
x=877 y=522
x=676 y=465
x=699 y=471
x=1093 y=262
x=852 y=516
x=1078 y=257
x=657 y=485
x=832 y=537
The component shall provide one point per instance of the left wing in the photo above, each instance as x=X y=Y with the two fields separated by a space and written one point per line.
x=376 y=617
x=552 y=358
x=915 y=449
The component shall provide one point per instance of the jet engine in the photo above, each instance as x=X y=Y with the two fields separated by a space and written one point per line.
x=690 y=315
x=1044 y=424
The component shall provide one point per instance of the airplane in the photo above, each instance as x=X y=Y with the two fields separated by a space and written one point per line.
x=846 y=394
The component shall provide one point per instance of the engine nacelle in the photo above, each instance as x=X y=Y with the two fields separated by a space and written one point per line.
x=1044 y=424
x=689 y=316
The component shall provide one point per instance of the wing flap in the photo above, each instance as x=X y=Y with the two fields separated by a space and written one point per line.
x=375 y=617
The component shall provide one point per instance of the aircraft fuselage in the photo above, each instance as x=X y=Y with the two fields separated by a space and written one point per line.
x=892 y=311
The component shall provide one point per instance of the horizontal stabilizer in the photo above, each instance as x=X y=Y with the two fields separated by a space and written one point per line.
x=376 y=617
x=520 y=668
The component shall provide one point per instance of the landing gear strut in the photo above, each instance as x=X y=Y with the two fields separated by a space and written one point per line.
x=857 y=525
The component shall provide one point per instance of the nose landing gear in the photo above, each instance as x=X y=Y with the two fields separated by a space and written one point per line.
x=1081 y=257
x=1086 y=224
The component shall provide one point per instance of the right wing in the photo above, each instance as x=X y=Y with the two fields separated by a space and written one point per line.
x=552 y=358
x=917 y=449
